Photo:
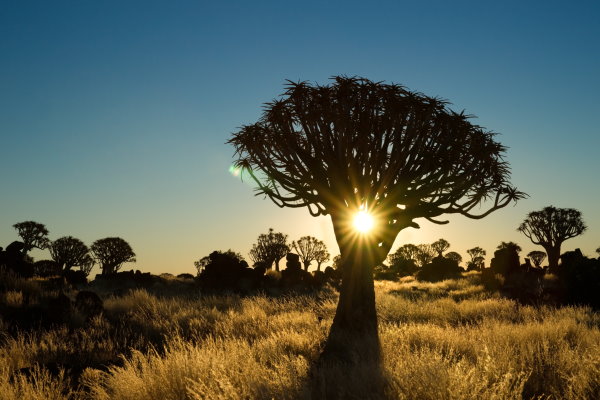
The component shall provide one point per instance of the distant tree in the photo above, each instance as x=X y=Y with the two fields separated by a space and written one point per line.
x=201 y=264
x=425 y=254
x=408 y=252
x=550 y=227
x=509 y=245
x=452 y=255
x=401 y=264
x=363 y=145
x=225 y=270
x=337 y=265
x=477 y=255
x=308 y=247
x=69 y=252
x=33 y=234
x=111 y=253
x=204 y=261
x=321 y=257
x=598 y=251
x=87 y=264
x=537 y=257
x=45 y=268
x=440 y=246
x=270 y=248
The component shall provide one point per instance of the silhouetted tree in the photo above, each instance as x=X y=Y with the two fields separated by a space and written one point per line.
x=550 y=227
x=270 y=248
x=358 y=144
x=509 y=245
x=401 y=264
x=111 y=253
x=408 y=251
x=307 y=247
x=425 y=254
x=337 y=262
x=204 y=261
x=439 y=268
x=226 y=270
x=537 y=257
x=477 y=255
x=440 y=246
x=33 y=234
x=321 y=257
x=69 y=252
x=46 y=268
x=452 y=255
x=87 y=264
x=598 y=251
x=505 y=260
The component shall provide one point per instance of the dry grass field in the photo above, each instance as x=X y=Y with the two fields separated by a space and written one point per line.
x=446 y=340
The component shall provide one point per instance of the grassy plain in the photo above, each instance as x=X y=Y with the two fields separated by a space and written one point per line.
x=446 y=340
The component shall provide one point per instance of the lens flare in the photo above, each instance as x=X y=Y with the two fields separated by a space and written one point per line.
x=363 y=222
x=235 y=171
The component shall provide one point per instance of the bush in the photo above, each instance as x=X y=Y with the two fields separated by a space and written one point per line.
x=439 y=269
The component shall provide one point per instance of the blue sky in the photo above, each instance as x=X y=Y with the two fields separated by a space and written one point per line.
x=114 y=114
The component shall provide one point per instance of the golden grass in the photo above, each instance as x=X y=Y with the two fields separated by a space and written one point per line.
x=448 y=340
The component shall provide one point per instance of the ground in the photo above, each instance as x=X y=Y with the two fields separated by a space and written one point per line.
x=446 y=340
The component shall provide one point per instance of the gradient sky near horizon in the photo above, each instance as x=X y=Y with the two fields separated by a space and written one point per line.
x=114 y=114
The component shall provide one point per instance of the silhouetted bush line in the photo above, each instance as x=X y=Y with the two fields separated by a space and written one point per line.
x=227 y=272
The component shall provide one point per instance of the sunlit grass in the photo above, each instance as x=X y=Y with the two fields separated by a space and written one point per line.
x=445 y=340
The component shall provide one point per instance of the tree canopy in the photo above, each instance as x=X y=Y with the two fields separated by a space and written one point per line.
x=477 y=255
x=33 y=234
x=68 y=252
x=309 y=248
x=111 y=253
x=361 y=143
x=537 y=257
x=452 y=255
x=440 y=246
x=550 y=227
x=509 y=245
x=269 y=248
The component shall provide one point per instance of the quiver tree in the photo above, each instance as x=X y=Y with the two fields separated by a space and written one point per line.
x=322 y=256
x=440 y=246
x=229 y=254
x=402 y=261
x=509 y=246
x=68 y=252
x=550 y=227
x=33 y=234
x=454 y=256
x=425 y=254
x=111 y=253
x=477 y=255
x=408 y=251
x=269 y=248
x=537 y=257
x=308 y=248
x=361 y=145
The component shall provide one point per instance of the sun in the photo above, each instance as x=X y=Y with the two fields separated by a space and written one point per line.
x=363 y=222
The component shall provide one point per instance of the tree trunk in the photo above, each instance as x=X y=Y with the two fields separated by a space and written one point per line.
x=306 y=265
x=356 y=305
x=553 y=253
x=354 y=330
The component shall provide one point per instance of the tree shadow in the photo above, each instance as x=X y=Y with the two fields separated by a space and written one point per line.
x=350 y=367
